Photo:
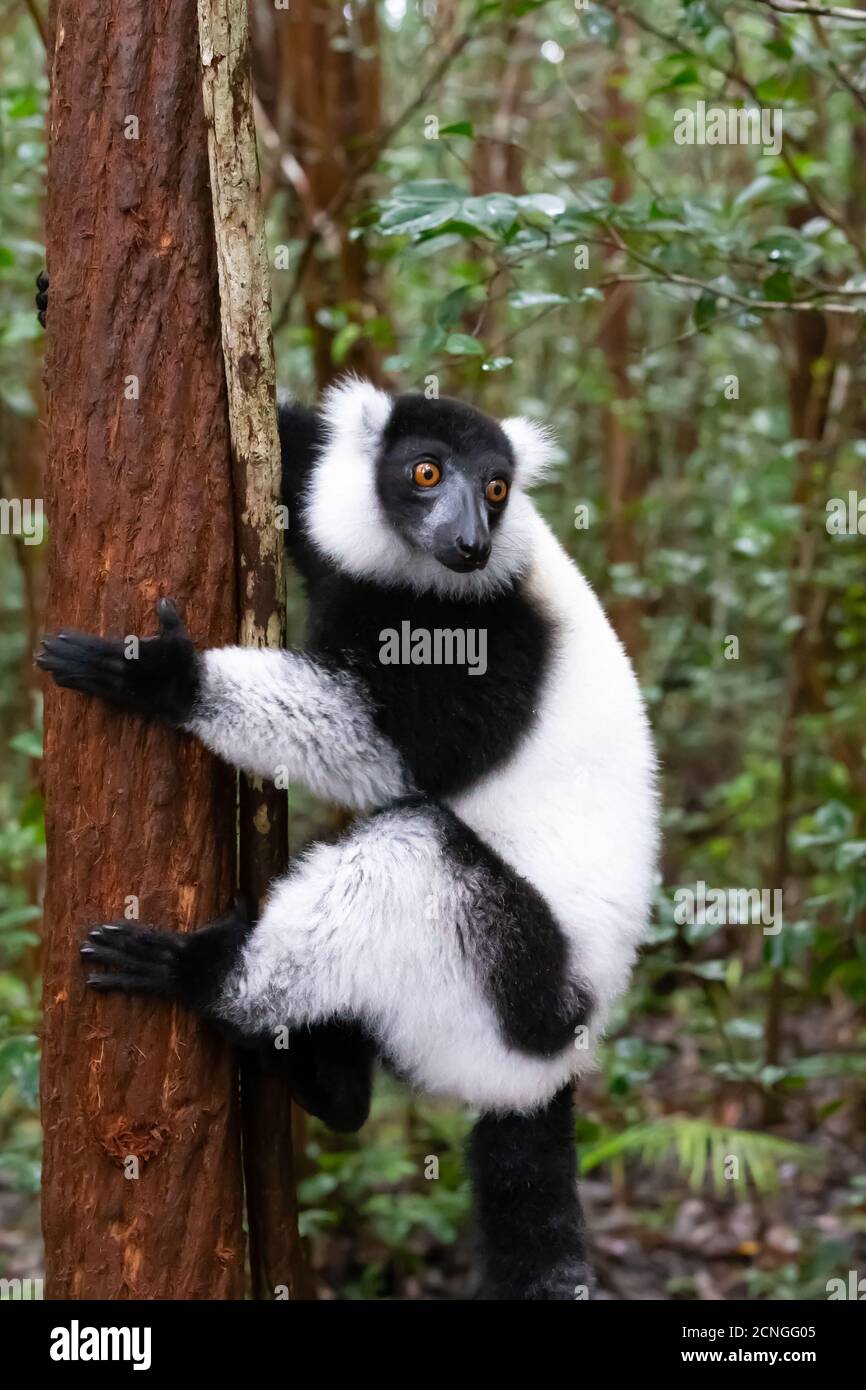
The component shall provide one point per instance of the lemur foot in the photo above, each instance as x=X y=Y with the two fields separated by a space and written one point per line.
x=187 y=968
x=155 y=676
x=42 y=296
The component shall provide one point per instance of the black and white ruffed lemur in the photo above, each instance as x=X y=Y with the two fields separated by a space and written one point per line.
x=474 y=926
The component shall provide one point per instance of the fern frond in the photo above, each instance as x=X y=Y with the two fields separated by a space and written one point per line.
x=699 y=1147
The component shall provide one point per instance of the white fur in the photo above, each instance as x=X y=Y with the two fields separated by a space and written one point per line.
x=370 y=928
x=575 y=810
x=280 y=714
x=534 y=446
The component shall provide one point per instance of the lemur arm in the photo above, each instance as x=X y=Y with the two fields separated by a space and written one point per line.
x=279 y=715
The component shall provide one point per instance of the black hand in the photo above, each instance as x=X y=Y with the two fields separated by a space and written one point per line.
x=155 y=676
x=42 y=296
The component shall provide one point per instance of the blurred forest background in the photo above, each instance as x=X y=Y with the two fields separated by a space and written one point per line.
x=492 y=195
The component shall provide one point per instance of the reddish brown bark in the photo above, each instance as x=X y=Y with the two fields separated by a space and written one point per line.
x=329 y=97
x=139 y=503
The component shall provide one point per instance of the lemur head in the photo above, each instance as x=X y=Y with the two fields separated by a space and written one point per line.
x=423 y=492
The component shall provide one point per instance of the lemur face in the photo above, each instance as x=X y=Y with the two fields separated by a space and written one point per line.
x=443 y=476
x=427 y=494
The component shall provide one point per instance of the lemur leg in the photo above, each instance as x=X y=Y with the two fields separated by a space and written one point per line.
x=278 y=715
x=329 y=1070
x=411 y=929
x=329 y=1067
x=407 y=926
x=524 y=1170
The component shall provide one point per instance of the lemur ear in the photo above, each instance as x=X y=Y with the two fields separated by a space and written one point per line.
x=534 y=446
x=357 y=411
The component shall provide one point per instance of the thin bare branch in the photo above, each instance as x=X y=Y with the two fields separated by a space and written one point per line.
x=796 y=7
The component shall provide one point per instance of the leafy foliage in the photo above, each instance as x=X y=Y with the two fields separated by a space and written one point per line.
x=689 y=318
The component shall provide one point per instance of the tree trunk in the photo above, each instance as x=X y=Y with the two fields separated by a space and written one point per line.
x=330 y=107
x=140 y=821
x=245 y=307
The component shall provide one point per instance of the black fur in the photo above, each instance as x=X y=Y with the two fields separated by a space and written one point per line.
x=458 y=437
x=301 y=438
x=161 y=681
x=329 y=1068
x=515 y=944
x=524 y=1170
x=454 y=519
x=462 y=430
x=449 y=727
x=42 y=296
x=186 y=968
x=449 y=734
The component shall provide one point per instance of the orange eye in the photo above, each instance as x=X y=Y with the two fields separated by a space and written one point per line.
x=427 y=473
x=497 y=490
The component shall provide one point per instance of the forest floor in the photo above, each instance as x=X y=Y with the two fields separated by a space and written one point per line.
x=652 y=1235
x=662 y=1242
x=655 y=1241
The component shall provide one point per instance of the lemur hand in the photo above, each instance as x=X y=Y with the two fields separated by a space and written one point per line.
x=154 y=676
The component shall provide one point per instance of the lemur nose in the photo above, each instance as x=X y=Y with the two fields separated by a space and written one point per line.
x=476 y=551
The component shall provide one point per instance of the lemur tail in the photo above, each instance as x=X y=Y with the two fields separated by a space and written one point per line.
x=524 y=1170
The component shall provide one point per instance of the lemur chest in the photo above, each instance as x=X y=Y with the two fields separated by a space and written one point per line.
x=454 y=686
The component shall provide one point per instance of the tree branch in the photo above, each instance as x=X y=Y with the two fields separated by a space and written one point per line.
x=795 y=7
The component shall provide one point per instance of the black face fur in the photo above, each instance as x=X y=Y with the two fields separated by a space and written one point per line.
x=453 y=519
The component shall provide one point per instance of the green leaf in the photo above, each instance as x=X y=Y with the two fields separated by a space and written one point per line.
x=705 y=309
x=343 y=341
x=28 y=742
x=458 y=128
x=546 y=203
x=702 y=1150
x=763 y=189
x=464 y=345
x=26 y=105
x=493 y=214
x=780 y=48
x=789 y=249
x=686 y=77
x=778 y=286
x=408 y=219
x=453 y=306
